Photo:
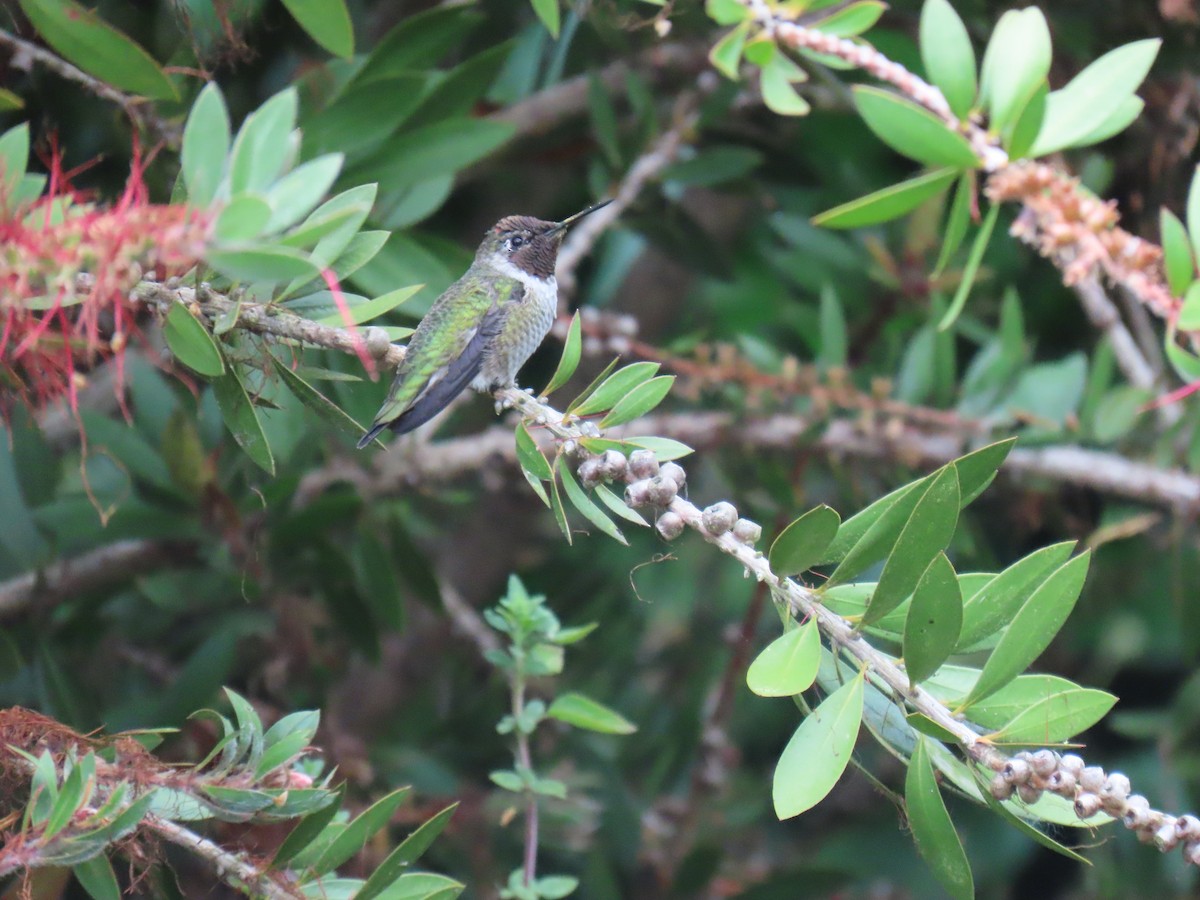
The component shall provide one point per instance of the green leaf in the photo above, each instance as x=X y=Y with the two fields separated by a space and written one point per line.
x=851 y=20
x=584 y=712
x=590 y=511
x=1032 y=628
x=295 y=194
x=937 y=841
x=89 y=42
x=569 y=361
x=801 y=545
x=355 y=835
x=834 y=345
x=887 y=204
x=1186 y=364
x=10 y=101
x=1074 y=113
x=253 y=263
x=978 y=468
x=263 y=144
x=665 y=449
x=327 y=22
x=972 y=268
x=14 y=159
x=714 y=166
x=534 y=466
x=934 y=620
x=1193 y=212
x=912 y=130
x=1118 y=412
x=418 y=42
x=1121 y=116
x=989 y=610
x=613 y=389
x=206 y=140
x=1056 y=718
x=97 y=878
x=726 y=55
x=362 y=313
x=409 y=851
x=1177 y=252
x=307 y=830
x=788 y=665
x=549 y=13
x=1189 y=312
x=556 y=507
x=242 y=419
x=777 y=91
x=947 y=54
x=878 y=522
x=617 y=505
x=638 y=402
x=430 y=151
x=1016 y=61
x=191 y=343
x=242 y=218
x=1019 y=138
x=604 y=119
x=326 y=409
x=926 y=533
x=814 y=759
x=726 y=12
x=957 y=220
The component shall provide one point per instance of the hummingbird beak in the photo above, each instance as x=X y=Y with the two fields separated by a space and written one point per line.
x=571 y=220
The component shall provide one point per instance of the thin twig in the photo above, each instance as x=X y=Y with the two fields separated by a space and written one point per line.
x=230 y=867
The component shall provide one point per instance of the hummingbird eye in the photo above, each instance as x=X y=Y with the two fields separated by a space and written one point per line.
x=516 y=242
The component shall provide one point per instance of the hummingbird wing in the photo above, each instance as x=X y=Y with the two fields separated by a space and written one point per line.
x=412 y=403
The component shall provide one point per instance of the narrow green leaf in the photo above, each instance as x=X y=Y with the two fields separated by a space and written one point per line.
x=430 y=151
x=590 y=511
x=638 y=402
x=1033 y=628
x=361 y=830
x=243 y=218
x=994 y=605
x=206 y=140
x=1079 y=109
x=295 y=194
x=327 y=22
x=326 y=409
x=862 y=537
x=1193 y=212
x=584 y=712
x=726 y=12
x=851 y=20
x=947 y=54
x=191 y=343
x=14 y=159
x=89 y=42
x=242 y=419
x=362 y=313
x=409 y=851
x=549 y=13
x=569 y=361
x=926 y=533
x=10 y=101
x=617 y=505
x=788 y=665
x=726 y=55
x=834 y=347
x=1177 y=252
x=957 y=220
x=819 y=751
x=307 y=830
x=97 y=878
x=591 y=388
x=887 y=204
x=556 y=506
x=802 y=544
x=972 y=268
x=978 y=468
x=1019 y=138
x=912 y=130
x=934 y=833
x=530 y=457
x=665 y=449
x=777 y=92
x=934 y=620
x=262 y=264
x=1016 y=61
x=1189 y=312
x=1056 y=718
x=264 y=143
x=1124 y=113
x=1185 y=364
x=615 y=387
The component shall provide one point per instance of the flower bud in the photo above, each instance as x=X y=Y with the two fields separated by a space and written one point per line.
x=719 y=518
x=643 y=464
x=675 y=472
x=590 y=472
x=638 y=493
x=1166 y=838
x=747 y=531
x=1188 y=828
x=1044 y=762
x=1069 y=762
x=1087 y=805
x=662 y=491
x=613 y=465
x=1137 y=812
x=1092 y=779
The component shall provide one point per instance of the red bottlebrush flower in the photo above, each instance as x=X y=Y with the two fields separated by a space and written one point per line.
x=67 y=267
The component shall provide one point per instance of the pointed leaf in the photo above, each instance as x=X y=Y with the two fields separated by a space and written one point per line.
x=296 y=194
x=957 y=220
x=788 y=665
x=362 y=313
x=887 y=204
x=998 y=601
x=584 y=712
x=1032 y=629
x=569 y=361
x=326 y=409
x=409 y=851
x=934 y=620
x=982 y=237
x=926 y=533
x=307 y=830
x=1177 y=252
x=264 y=143
x=777 y=91
x=256 y=263
x=1189 y=312
x=242 y=419
x=556 y=506
x=1193 y=212
x=243 y=218
x=327 y=22
x=617 y=505
x=801 y=545
x=549 y=13
x=97 y=878
x=947 y=54
x=206 y=140
x=641 y=400
x=590 y=511
x=361 y=830
x=615 y=388
x=726 y=55
x=851 y=20
x=937 y=841
x=1056 y=718
x=1016 y=61
x=912 y=130
x=191 y=343
x=814 y=759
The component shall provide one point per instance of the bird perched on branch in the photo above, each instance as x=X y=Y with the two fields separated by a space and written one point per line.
x=484 y=327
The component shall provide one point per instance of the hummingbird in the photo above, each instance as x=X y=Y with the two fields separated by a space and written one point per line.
x=484 y=327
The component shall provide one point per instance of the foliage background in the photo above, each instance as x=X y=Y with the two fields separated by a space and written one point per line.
x=329 y=592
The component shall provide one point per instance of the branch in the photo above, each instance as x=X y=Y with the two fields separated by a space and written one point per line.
x=98 y=568
x=231 y=867
x=25 y=54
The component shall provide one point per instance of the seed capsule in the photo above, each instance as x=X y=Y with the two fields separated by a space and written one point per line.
x=719 y=518
x=670 y=525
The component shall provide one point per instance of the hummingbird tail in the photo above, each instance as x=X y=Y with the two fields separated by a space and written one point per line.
x=375 y=431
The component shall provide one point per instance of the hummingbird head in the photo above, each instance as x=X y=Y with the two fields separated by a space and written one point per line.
x=529 y=244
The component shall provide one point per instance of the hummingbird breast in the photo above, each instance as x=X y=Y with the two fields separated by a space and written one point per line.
x=527 y=322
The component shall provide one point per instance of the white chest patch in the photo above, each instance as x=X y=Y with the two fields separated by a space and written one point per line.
x=527 y=322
